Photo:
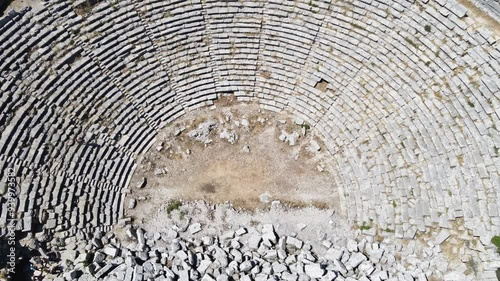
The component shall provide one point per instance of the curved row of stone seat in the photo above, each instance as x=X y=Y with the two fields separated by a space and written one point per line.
x=49 y=99
x=179 y=32
x=234 y=29
x=59 y=201
x=287 y=35
x=349 y=37
x=33 y=152
x=114 y=38
x=135 y=108
x=135 y=142
x=350 y=102
x=492 y=8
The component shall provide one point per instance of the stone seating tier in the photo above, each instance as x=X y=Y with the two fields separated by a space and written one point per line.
x=409 y=110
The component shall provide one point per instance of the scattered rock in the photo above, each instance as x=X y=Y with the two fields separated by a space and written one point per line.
x=246 y=266
x=159 y=171
x=194 y=228
x=230 y=136
x=245 y=123
x=299 y=121
x=202 y=133
x=246 y=149
x=110 y=251
x=301 y=226
x=132 y=203
x=159 y=147
x=314 y=270
x=254 y=242
x=233 y=254
x=314 y=146
x=265 y=197
x=178 y=131
x=290 y=138
x=352 y=246
x=442 y=236
x=294 y=242
x=283 y=136
x=356 y=259
x=71 y=275
x=142 y=183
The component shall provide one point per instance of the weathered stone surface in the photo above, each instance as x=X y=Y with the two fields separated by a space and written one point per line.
x=194 y=228
x=132 y=203
x=110 y=251
x=314 y=270
x=407 y=104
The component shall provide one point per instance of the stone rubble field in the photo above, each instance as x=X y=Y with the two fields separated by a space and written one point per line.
x=225 y=248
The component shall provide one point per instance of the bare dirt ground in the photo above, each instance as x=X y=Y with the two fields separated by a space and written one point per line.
x=218 y=172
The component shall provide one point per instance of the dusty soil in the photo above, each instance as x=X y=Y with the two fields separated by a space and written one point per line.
x=480 y=18
x=220 y=172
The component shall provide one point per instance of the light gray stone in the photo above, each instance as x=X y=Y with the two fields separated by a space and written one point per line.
x=194 y=228
x=294 y=242
x=246 y=266
x=356 y=259
x=442 y=236
x=111 y=251
x=142 y=183
x=132 y=203
x=314 y=270
x=230 y=136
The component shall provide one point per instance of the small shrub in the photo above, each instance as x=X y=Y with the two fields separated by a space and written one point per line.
x=182 y=215
x=86 y=263
x=471 y=104
x=174 y=205
x=411 y=42
x=357 y=26
x=496 y=241
x=394 y=204
x=427 y=28
x=364 y=226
